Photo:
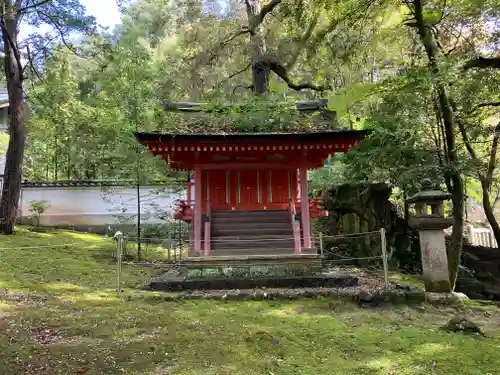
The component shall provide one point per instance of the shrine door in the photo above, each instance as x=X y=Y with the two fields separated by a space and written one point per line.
x=216 y=189
x=280 y=187
x=248 y=195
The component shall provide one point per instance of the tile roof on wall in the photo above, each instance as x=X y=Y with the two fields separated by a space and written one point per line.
x=86 y=183
x=72 y=183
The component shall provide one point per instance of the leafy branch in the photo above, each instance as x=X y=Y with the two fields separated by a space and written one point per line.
x=13 y=47
x=32 y=6
x=483 y=63
x=277 y=67
x=259 y=18
x=482 y=105
x=231 y=76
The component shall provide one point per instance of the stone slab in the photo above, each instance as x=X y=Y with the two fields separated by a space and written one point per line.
x=251 y=283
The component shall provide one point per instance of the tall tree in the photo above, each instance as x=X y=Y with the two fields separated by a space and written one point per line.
x=283 y=39
x=62 y=17
x=425 y=19
x=446 y=116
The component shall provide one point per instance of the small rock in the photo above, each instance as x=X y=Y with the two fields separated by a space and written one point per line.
x=367 y=300
x=445 y=298
x=420 y=308
x=402 y=286
x=462 y=324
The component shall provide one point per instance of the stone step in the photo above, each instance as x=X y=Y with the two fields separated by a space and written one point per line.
x=245 y=259
x=312 y=251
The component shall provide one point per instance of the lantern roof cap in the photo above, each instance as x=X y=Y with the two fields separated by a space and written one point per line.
x=429 y=192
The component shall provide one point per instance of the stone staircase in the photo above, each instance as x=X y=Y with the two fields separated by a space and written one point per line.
x=246 y=233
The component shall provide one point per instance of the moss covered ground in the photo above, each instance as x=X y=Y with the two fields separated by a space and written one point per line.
x=60 y=314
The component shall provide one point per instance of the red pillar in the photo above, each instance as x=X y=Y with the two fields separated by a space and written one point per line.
x=304 y=208
x=189 y=191
x=198 y=180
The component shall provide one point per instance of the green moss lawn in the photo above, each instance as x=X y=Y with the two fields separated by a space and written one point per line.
x=59 y=314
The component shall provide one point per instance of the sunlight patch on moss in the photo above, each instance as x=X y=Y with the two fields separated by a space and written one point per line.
x=43 y=234
x=286 y=311
x=11 y=285
x=384 y=365
x=63 y=287
x=87 y=237
x=98 y=296
x=5 y=307
x=431 y=348
x=398 y=277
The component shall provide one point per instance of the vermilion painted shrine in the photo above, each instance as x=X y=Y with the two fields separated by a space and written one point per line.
x=250 y=190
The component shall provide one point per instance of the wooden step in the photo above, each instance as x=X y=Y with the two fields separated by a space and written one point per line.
x=250 y=219
x=249 y=226
x=250 y=244
x=253 y=251
x=249 y=213
x=246 y=236
x=253 y=232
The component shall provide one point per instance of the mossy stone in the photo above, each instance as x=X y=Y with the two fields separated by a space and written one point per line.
x=442 y=286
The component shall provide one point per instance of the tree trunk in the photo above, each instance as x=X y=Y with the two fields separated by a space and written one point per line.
x=488 y=211
x=486 y=182
x=486 y=179
x=261 y=70
x=17 y=132
x=455 y=249
x=445 y=107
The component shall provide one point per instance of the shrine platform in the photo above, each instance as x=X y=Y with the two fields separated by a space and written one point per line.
x=303 y=260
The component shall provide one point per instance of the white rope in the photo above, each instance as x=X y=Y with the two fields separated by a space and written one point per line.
x=353 y=234
x=344 y=259
x=151 y=238
x=265 y=239
x=40 y=247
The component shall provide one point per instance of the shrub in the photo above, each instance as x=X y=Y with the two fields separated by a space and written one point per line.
x=38 y=208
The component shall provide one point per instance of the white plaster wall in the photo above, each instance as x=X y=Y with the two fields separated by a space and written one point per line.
x=70 y=206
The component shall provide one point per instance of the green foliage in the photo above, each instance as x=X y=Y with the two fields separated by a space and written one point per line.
x=87 y=109
x=4 y=141
x=38 y=208
x=400 y=148
x=255 y=116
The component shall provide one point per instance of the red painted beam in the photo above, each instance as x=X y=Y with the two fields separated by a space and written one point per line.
x=259 y=166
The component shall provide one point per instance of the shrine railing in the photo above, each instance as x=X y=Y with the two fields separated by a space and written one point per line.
x=207 y=234
x=295 y=227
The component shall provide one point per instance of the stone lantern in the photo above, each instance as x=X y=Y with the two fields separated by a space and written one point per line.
x=430 y=221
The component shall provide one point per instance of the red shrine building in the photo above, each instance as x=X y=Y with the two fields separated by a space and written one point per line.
x=250 y=190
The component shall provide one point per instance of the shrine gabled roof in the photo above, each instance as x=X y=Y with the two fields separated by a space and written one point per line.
x=184 y=151
x=145 y=137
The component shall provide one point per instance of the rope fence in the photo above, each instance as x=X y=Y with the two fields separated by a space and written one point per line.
x=43 y=247
x=319 y=243
x=262 y=238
